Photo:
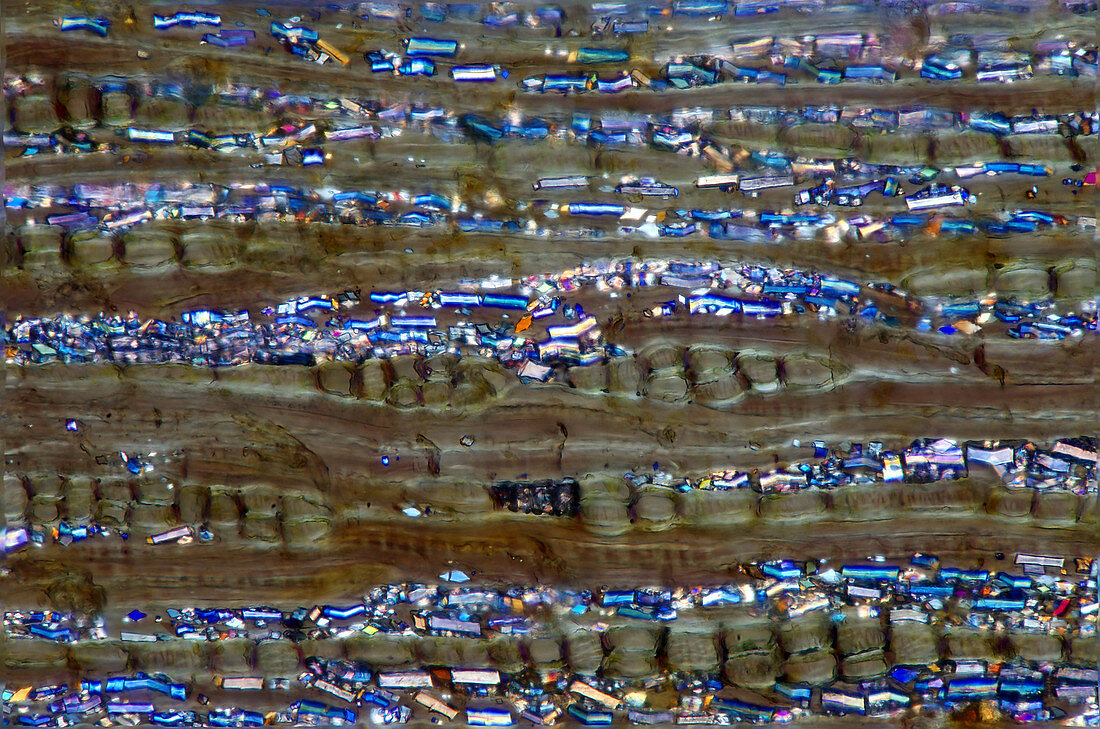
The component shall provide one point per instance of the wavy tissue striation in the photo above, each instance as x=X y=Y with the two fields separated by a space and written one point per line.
x=494 y=364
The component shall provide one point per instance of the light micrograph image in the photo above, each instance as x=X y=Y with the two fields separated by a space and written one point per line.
x=550 y=364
